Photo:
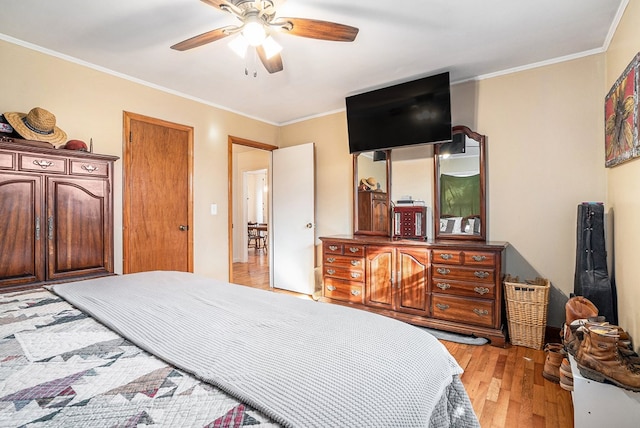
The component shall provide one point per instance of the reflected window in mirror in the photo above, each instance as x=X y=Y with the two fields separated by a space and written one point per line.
x=460 y=186
x=371 y=185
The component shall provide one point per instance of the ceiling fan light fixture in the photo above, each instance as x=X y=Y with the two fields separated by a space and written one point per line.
x=271 y=47
x=239 y=45
x=254 y=31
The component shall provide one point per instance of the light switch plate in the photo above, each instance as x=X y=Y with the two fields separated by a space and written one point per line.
x=214 y=209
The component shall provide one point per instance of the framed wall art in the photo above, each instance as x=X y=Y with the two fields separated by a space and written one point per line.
x=621 y=117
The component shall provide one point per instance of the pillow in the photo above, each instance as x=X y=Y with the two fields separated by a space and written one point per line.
x=457 y=224
x=446 y=225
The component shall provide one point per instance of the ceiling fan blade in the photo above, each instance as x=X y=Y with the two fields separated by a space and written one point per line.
x=315 y=29
x=224 y=5
x=204 y=38
x=273 y=64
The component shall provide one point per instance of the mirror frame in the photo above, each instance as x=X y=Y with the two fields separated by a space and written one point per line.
x=356 y=183
x=481 y=139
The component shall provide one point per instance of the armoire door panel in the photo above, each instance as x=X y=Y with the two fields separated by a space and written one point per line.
x=75 y=226
x=21 y=237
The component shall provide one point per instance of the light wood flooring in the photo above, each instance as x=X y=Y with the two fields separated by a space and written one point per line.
x=505 y=385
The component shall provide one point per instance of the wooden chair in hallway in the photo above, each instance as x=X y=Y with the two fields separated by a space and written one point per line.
x=252 y=234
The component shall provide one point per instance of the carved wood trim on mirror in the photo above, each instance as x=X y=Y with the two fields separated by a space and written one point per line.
x=371 y=187
x=460 y=187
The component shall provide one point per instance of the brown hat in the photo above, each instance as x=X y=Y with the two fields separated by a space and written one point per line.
x=369 y=183
x=38 y=124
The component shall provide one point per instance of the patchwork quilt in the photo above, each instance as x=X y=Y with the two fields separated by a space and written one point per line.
x=61 y=368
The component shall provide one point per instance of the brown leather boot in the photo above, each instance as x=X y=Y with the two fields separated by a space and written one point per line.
x=599 y=358
x=566 y=376
x=579 y=307
x=555 y=354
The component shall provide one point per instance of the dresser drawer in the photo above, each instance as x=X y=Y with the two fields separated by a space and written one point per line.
x=479 y=258
x=470 y=289
x=42 y=164
x=331 y=260
x=484 y=275
x=453 y=257
x=93 y=168
x=463 y=310
x=343 y=290
x=332 y=248
x=7 y=160
x=348 y=273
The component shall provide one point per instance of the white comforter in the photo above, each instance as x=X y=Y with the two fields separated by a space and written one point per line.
x=303 y=363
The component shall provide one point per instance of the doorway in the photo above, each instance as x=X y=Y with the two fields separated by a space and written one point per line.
x=249 y=164
x=158 y=195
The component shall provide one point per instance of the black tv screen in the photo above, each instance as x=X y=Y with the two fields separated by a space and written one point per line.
x=416 y=112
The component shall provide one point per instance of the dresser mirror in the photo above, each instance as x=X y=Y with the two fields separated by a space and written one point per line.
x=460 y=187
x=371 y=178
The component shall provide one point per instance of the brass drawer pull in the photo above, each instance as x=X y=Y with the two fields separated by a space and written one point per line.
x=44 y=164
x=480 y=274
x=50 y=228
x=442 y=307
x=481 y=312
x=37 y=228
x=478 y=258
x=331 y=259
x=333 y=247
x=355 y=262
x=355 y=292
x=446 y=256
x=481 y=290
x=331 y=271
x=331 y=288
x=443 y=286
x=355 y=275
x=354 y=249
x=89 y=168
x=443 y=271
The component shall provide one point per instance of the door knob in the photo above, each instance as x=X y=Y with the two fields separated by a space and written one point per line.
x=184 y=228
x=309 y=225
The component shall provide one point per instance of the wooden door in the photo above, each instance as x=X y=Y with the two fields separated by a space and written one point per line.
x=158 y=195
x=78 y=227
x=412 y=267
x=379 y=277
x=21 y=229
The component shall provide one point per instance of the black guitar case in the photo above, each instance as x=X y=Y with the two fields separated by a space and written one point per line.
x=591 y=277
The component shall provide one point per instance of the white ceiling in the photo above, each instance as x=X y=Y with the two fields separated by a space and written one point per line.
x=398 y=41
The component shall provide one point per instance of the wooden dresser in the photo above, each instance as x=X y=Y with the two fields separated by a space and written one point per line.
x=448 y=285
x=56 y=215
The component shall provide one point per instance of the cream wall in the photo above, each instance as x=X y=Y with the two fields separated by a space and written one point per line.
x=623 y=184
x=89 y=104
x=545 y=156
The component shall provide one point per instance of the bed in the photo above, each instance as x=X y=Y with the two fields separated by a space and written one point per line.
x=176 y=349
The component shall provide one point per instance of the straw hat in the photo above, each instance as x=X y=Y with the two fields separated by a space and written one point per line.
x=369 y=183
x=38 y=124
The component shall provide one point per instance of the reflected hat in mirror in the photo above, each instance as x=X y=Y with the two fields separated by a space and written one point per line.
x=370 y=183
x=39 y=124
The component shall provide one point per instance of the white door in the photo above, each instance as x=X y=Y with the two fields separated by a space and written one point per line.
x=293 y=220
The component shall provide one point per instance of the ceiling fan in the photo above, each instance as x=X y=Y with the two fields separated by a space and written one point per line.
x=258 y=19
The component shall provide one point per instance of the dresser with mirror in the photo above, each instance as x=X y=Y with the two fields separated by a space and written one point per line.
x=447 y=276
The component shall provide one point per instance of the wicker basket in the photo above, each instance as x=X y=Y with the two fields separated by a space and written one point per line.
x=527 y=310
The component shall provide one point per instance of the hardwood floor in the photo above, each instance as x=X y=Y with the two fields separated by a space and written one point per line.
x=505 y=385
x=255 y=272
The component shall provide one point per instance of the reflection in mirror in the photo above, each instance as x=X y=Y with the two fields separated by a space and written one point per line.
x=371 y=201
x=411 y=186
x=460 y=186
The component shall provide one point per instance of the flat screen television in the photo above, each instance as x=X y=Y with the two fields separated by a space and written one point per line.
x=415 y=112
